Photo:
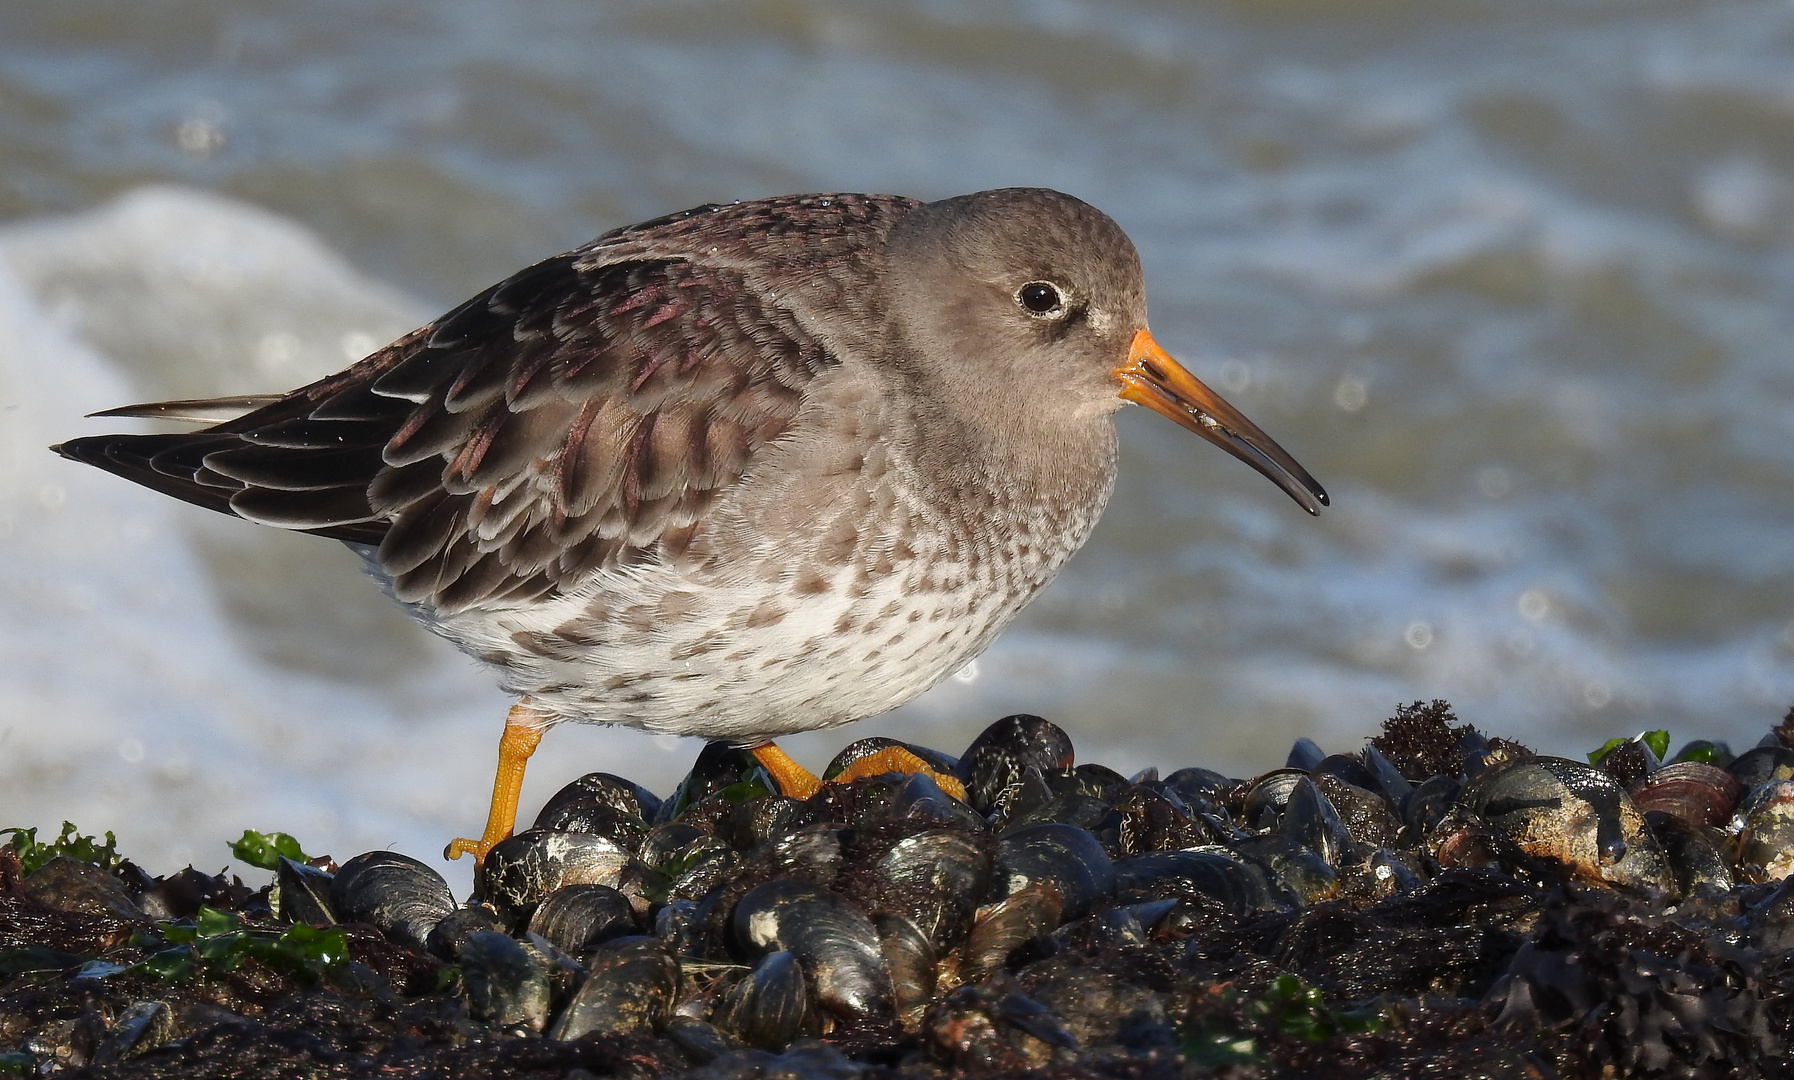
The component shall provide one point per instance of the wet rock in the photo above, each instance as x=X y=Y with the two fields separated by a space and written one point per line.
x=70 y=884
x=140 y=1028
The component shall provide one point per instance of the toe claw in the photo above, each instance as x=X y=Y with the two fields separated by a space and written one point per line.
x=460 y=846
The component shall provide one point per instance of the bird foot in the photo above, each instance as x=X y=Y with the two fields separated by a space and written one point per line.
x=800 y=783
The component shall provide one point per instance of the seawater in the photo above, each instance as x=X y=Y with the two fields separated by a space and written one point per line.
x=1513 y=280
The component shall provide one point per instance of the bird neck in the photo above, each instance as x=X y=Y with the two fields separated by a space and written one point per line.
x=1021 y=460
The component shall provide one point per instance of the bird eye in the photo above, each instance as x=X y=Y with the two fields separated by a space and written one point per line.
x=1040 y=298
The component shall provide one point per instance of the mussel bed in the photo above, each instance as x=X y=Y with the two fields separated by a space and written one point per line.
x=1438 y=904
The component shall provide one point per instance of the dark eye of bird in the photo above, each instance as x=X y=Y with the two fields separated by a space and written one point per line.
x=1040 y=298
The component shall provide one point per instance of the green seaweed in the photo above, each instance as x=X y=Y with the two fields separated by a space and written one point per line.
x=1294 y=1008
x=33 y=854
x=218 y=941
x=267 y=849
x=1657 y=740
x=1706 y=751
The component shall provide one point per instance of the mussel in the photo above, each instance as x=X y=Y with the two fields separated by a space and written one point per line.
x=506 y=984
x=520 y=872
x=398 y=894
x=770 y=1006
x=1572 y=813
x=1004 y=751
x=834 y=941
x=631 y=987
x=577 y=918
x=1066 y=857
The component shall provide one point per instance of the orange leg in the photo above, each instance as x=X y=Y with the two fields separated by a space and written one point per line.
x=795 y=780
x=523 y=732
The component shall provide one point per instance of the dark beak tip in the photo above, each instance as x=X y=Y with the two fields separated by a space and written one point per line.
x=1304 y=492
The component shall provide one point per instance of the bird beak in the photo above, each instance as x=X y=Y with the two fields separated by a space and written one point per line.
x=1151 y=378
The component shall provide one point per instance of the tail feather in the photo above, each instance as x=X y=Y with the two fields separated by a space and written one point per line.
x=175 y=465
x=134 y=458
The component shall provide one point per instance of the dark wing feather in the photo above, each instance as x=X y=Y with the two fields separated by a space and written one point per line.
x=577 y=416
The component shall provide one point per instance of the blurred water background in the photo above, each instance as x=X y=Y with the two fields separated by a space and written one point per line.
x=1513 y=279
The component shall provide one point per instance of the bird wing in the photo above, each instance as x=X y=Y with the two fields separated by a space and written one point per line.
x=578 y=416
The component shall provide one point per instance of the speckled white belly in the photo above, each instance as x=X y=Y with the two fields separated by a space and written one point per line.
x=780 y=643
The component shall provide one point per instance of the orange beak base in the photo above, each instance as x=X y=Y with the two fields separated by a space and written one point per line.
x=1151 y=378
